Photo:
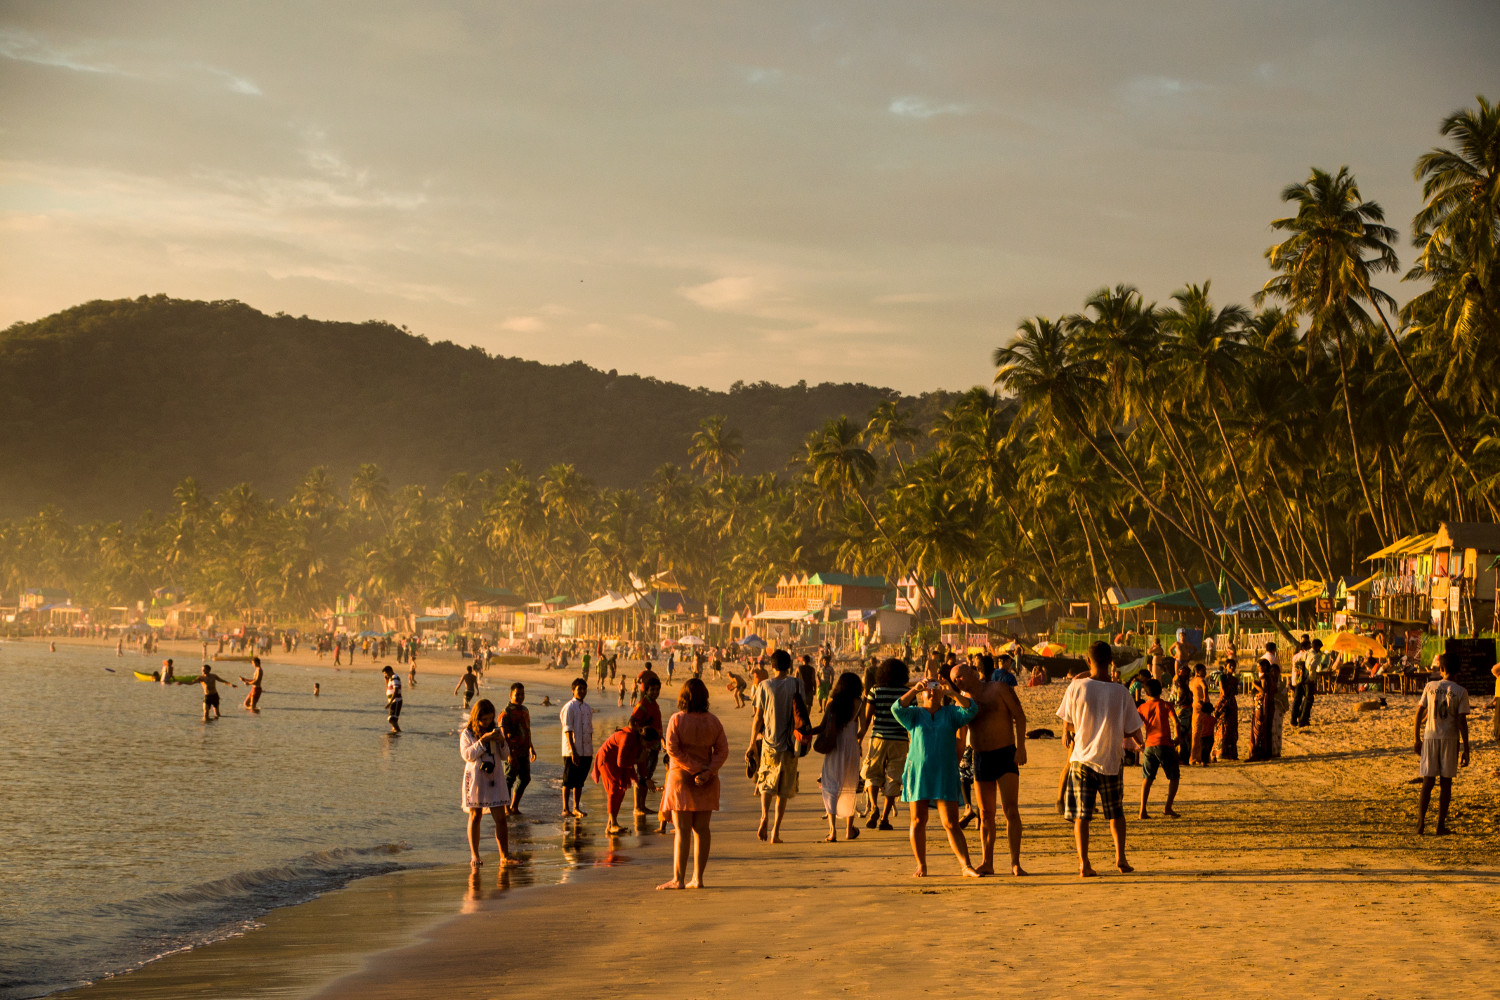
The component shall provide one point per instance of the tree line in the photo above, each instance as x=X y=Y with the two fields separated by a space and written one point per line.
x=1130 y=443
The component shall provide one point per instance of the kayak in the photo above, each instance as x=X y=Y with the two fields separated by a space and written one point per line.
x=174 y=679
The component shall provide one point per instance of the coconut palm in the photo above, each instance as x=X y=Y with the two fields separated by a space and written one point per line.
x=888 y=428
x=716 y=447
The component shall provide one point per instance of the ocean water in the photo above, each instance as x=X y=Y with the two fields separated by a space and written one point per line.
x=130 y=830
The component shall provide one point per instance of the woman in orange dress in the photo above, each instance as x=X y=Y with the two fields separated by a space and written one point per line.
x=696 y=749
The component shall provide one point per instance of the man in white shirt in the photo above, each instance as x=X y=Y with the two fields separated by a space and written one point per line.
x=1444 y=709
x=577 y=747
x=1100 y=714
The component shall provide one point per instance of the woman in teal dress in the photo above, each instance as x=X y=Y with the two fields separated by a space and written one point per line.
x=931 y=773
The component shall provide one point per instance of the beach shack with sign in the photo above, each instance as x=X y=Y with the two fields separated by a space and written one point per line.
x=803 y=602
x=1444 y=580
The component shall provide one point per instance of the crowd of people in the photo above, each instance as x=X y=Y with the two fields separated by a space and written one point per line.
x=947 y=735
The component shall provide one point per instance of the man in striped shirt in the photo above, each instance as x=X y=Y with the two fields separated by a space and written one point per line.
x=887 y=758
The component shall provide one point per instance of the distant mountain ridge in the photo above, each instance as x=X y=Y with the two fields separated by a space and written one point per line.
x=105 y=406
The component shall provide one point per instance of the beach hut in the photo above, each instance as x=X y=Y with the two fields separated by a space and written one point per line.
x=993 y=626
x=1179 y=606
x=1445 y=579
x=1295 y=598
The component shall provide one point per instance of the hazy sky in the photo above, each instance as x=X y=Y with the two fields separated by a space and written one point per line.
x=701 y=192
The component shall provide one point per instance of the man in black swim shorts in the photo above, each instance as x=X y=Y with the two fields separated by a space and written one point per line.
x=998 y=736
x=210 y=682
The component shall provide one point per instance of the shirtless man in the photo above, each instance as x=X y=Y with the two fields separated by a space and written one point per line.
x=257 y=675
x=210 y=692
x=469 y=683
x=1158 y=657
x=998 y=736
x=166 y=671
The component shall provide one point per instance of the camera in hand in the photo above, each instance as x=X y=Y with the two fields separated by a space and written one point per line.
x=487 y=765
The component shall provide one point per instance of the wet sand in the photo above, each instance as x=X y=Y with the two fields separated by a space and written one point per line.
x=1300 y=875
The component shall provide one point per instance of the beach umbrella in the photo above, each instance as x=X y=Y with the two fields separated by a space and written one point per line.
x=667 y=643
x=1051 y=648
x=753 y=640
x=1350 y=642
x=691 y=640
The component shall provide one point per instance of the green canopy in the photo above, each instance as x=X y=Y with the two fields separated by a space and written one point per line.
x=1208 y=596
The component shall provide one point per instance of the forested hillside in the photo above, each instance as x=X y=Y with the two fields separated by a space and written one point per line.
x=105 y=406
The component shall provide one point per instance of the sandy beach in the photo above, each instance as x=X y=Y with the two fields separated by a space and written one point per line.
x=1299 y=875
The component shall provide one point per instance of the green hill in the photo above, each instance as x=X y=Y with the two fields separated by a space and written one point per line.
x=105 y=406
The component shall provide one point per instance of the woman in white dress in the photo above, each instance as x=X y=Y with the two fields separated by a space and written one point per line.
x=838 y=740
x=483 y=748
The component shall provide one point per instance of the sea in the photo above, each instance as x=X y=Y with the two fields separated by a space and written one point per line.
x=130 y=830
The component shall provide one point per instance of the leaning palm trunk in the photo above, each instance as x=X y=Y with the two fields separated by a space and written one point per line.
x=1031 y=544
x=1359 y=468
x=1150 y=563
x=1205 y=510
x=1442 y=425
x=1193 y=537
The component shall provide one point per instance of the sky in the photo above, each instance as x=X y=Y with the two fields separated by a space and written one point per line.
x=704 y=193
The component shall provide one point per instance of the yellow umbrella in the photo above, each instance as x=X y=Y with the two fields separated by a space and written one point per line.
x=1349 y=642
x=1050 y=648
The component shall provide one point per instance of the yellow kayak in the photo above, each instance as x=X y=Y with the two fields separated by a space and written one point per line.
x=144 y=677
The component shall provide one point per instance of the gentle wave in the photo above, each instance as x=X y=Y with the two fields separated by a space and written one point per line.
x=164 y=923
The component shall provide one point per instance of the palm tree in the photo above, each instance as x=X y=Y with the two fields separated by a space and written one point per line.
x=1456 y=234
x=1324 y=270
x=369 y=491
x=716 y=447
x=1058 y=386
x=888 y=427
x=842 y=467
x=1461 y=187
x=1207 y=351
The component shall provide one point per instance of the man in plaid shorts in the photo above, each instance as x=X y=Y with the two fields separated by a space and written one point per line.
x=1099 y=714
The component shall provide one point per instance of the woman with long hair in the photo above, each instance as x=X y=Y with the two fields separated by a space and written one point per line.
x=696 y=749
x=483 y=748
x=839 y=734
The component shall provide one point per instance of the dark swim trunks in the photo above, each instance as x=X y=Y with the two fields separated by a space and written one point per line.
x=992 y=765
x=211 y=700
x=574 y=775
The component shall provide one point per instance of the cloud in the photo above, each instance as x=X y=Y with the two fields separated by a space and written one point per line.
x=763 y=300
x=1160 y=91
x=757 y=75
x=27 y=48
x=724 y=294
x=916 y=107
x=237 y=84
x=524 y=324
x=22 y=47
